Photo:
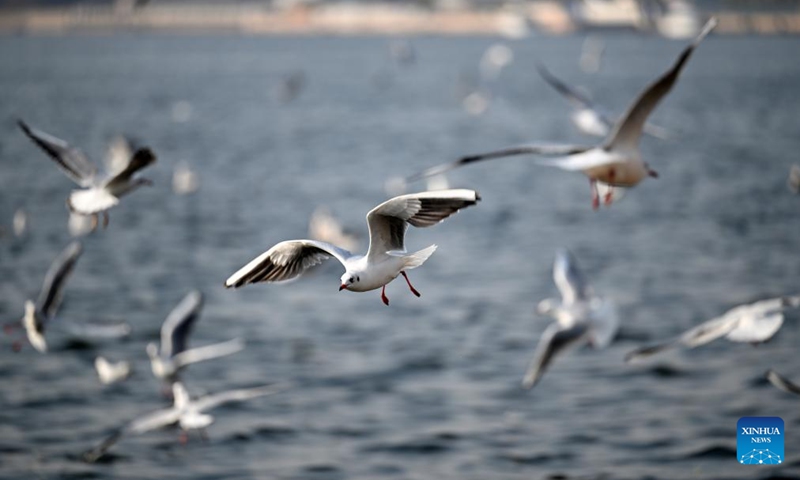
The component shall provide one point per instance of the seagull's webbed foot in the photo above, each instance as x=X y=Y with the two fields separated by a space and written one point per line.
x=384 y=298
x=595 y=195
x=16 y=346
x=413 y=290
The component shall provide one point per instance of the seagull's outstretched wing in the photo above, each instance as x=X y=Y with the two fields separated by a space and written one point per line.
x=781 y=383
x=286 y=261
x=569 y=279
x=628 y=129
x=176 y=328
x=151 y=421
x=389 y=220
x=140 y=159
x=555 y=339
x=700 y=335
x=542 y=149
x=572 y=95
x=72 y=161
x=208 y=352
x=53 y=287
x=214 y=400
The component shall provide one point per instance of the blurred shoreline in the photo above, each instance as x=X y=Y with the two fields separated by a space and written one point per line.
x=517 y=21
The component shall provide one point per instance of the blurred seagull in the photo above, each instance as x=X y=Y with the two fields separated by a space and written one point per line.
x=592 y=52
x=184 y=179
x=173 y=355
x=581 y=317
x=187 y=413
x=39 y=314
x=753 y=323
x=20 y=222
x=119 y=154
x=99 y=192
x=618 y=161
x=111 y=372
x=386 y=257
x=781 y=383
x=324 y=227
x=588 y=117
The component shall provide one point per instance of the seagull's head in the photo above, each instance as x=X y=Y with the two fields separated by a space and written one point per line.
x=348 y=280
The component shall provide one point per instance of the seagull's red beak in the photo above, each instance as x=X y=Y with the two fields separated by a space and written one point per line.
x=342 y=287
x=652 y=173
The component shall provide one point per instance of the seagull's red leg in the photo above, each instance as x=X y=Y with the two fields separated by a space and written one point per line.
x=384 y=298
x=413 y=290
x=94 y=222
x=610 y=193
x=595 y=195
x=105 y=219
x=183 y=438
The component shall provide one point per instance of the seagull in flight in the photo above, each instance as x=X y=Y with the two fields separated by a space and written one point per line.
x=188 y=413
x=98 y=192
x=781 y=383
x=751 y=323
x=38 y=315
x=582 y=317
x=617 y=162
x=587 y=116
x=173 y=355
x=386 y=257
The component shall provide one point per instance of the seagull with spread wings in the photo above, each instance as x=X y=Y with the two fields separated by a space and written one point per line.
x=188 y=413
x=582 y=317
x=98 y=192
x=386 y=257
x=751 y=323
x=174 y=353
x=38 y=315
x=618 y=161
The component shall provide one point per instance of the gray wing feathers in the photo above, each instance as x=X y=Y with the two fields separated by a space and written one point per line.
x=543 y=149
x=555 y=339
x=285 y=261
x=142 y=158
x=782 y=383
x=388 y=221
x=569 y=279
x=53 y=287
x=176 y=328
x=629 y=128
x=69 y=159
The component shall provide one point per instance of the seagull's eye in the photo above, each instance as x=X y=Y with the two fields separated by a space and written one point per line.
x=358 y=279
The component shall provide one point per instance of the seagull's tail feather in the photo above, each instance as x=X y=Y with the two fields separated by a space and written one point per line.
x=647 y=351
x=418 y=258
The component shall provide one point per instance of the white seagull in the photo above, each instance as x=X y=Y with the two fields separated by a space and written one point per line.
x=173 y=355
x=752 y=323
x=39 y=314
x=581 y=316
x=588 y=117
x=98 y=192
x=187 y=413
x=781 y=383
x=109 y=373
x=386 y=257
x=618 y=161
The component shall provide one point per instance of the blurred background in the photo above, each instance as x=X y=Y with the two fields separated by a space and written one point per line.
x=276 y=109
